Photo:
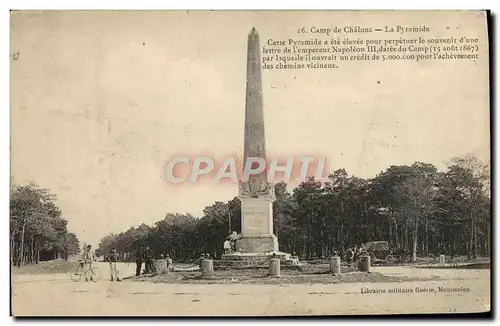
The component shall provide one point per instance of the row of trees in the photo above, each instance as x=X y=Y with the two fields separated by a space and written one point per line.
x=415 y=208
x=37 y=230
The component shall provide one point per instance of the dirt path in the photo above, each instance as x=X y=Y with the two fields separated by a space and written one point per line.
x=56 y=295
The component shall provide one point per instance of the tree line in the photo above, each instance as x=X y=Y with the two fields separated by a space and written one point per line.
x=37 y=230
x=416 y=208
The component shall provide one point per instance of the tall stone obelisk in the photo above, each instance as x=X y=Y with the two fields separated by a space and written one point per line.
x=256 y=194
x=255 y=140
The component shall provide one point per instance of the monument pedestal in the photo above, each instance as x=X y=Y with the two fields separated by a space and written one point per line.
x=257 y=243
x=257 y=225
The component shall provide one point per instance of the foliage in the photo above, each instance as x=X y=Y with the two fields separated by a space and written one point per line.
x=37 y=230
x=416 y=208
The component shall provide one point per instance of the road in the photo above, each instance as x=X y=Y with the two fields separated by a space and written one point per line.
x=56 y=295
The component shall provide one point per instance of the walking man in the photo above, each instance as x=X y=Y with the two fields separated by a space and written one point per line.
x=112 y=259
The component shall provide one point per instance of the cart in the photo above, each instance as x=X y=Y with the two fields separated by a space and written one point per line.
x=401 y=256
x=379 y=251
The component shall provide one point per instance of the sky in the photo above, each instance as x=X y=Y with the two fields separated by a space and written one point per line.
x=100 y=101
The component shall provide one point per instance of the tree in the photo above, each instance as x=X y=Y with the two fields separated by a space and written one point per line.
x=414 y=207
x=38 y=232
x=418 y=195
x=471 y=180
x=307 y=215
x=284 y=223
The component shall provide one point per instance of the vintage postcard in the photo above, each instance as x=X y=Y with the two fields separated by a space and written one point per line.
x=249 y=163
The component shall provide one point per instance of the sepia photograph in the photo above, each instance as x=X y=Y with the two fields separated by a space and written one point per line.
x=250 y=163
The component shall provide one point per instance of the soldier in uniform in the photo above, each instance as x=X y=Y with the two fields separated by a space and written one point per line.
x=112 y=259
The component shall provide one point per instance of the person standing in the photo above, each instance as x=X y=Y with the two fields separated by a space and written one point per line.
x=148 y=255
x=169 y=261
x=227 y=246
x=87 y=261
x=138 y=261
x=202 y=257
x=233 y=237
x=112 y=259
x=355 y=250
x=350 y=256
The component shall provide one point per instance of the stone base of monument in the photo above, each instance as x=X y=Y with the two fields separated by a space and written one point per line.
x=254 y=260
x=257 y=243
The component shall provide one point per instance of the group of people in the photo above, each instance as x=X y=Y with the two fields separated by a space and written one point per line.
x=145 y=255
x=89 y=256
x=354 y=252
x=230 y=243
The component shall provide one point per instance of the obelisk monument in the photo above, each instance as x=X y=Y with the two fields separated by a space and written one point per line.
x=256 y=194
